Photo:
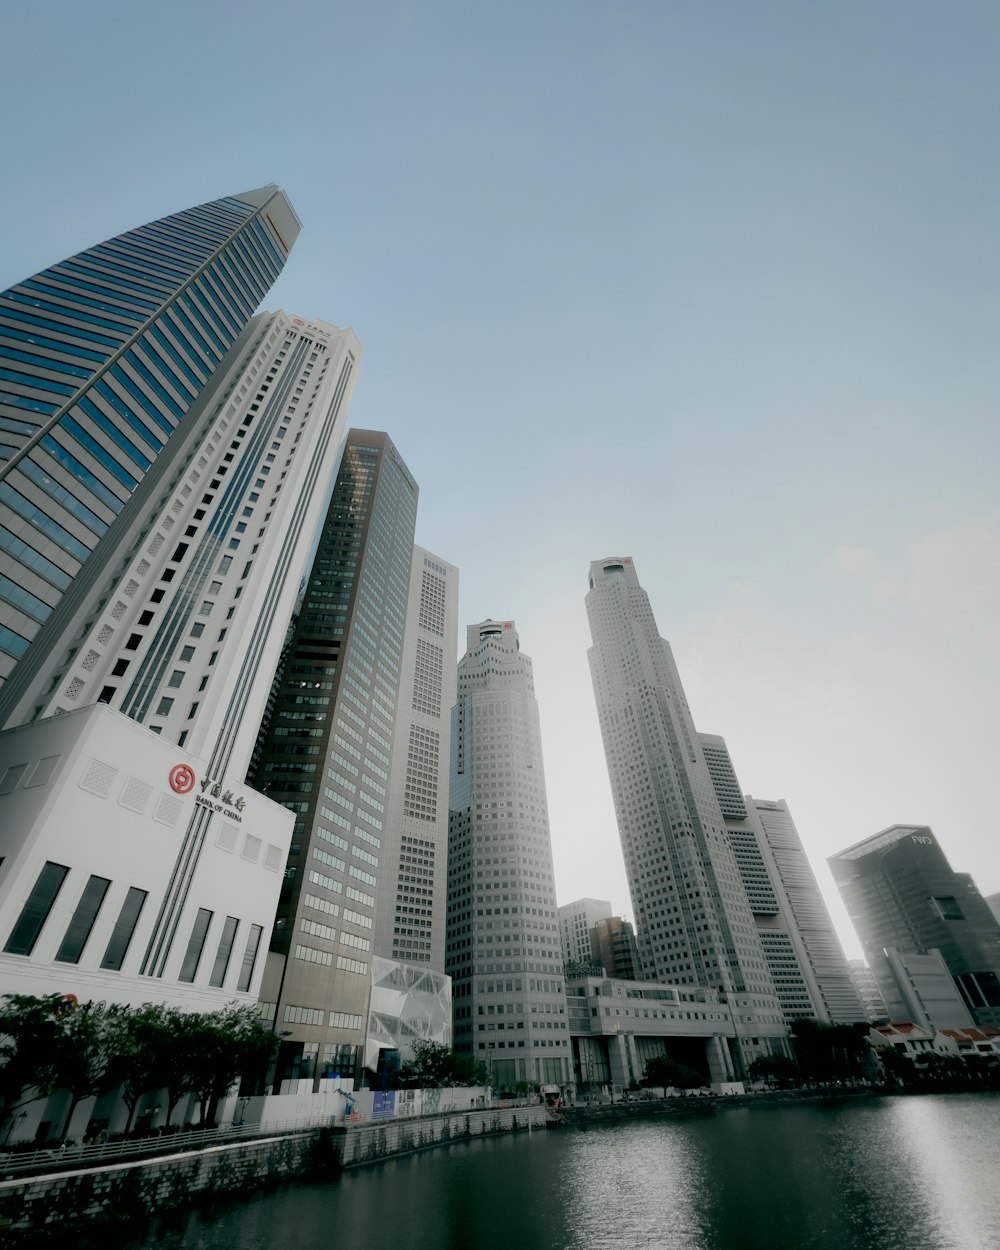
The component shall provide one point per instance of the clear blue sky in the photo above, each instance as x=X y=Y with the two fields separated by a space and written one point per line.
x=713 y=285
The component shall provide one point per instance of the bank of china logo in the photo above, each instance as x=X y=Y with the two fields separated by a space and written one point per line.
x=182 y=778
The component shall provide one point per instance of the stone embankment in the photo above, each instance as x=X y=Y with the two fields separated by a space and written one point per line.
x=55 y=1208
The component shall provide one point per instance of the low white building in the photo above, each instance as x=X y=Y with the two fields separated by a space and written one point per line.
x=129 y=873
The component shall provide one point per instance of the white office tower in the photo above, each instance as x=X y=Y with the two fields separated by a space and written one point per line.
x=693 y=919
x=503 y=950
x=807 y=962
x=413 y=884
x=176 y=622
x=576 y=919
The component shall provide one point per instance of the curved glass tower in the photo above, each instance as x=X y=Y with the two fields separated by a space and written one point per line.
x=101 y=357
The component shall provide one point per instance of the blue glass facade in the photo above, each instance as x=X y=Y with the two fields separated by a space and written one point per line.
x=101 y=357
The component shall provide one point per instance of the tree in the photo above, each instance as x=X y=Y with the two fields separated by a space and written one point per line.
x=434 y=1065
x=662 y=1070
x=85 y=1053
x=829 y=1052
x=30 y=1032
x=136 y=1045
x=773 y=1068
x=221 y=1046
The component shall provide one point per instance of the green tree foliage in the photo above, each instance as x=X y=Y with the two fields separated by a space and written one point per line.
x=830 y=1052
x=435 y=1065
x=773 y=1068
x=50 y=1043
x=662 y=1070
x=30 y=1034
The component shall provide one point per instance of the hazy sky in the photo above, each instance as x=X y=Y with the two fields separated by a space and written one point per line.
x=713 y=285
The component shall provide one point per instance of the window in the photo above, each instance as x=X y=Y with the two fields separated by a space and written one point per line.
x=36 y=910
x=249 y=958
x=187 y=654
x=121 y=935
x=83 y=920
x=164 y=706
x=222 y=955
x=176 y=677
x=196 y=944
x=197 y=630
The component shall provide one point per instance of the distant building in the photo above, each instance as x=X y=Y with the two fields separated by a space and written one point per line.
x=694 y=924
x=800 y=943
x=901 y=892
x=867 y=987
x=918 y=987
x=576 y=919
x=612 y=943
x=618 y=1026
x=993 y=903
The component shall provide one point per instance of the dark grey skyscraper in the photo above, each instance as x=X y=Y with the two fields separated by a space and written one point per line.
x=694 y=924
x=902 y=893
x=101 y=357
x=326 y=754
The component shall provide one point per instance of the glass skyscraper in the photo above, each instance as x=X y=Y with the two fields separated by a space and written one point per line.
x=101 y=357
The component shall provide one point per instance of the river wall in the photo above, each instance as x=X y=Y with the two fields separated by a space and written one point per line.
x=51 y=1209
x=55 y=1209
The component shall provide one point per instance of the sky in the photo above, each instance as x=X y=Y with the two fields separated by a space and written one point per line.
x=716 y=286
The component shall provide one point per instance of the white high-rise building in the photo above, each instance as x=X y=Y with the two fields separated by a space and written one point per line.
x=413 y=884
x=503 y=951
x=176 y=624
x=800 y=944
x=576 y=919
x=693 y=919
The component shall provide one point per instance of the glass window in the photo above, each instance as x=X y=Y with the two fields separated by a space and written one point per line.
x=36 y=910
x=80 y=926
x=121 y=935
x=225 y=950
x=196 y=944
x=249 y=958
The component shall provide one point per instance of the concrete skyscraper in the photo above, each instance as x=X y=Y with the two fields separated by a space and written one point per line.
x=101 y=359
x=175 y=624
x=576 y=919
x=504 y=952
x=693 y=919
x=903 y=896
x=413 y=883
x=803 y=952
x=326 y=756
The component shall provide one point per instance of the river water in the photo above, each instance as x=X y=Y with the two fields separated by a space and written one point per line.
x=920 y=1173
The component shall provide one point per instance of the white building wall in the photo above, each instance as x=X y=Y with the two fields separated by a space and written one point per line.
x=184 y=623
x=101 y=796
x=576 y=919
x=413 y=883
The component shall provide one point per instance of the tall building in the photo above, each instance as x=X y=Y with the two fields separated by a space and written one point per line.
x=326 y=756
x=175 y=625
x=576 y=919
x=101 y=359
x=503 y=950
x=694 y=924
x=803 y=952
x=613 y=946
x=993 y=903
x=413 y=883
x=866 y=984
x=902 y=893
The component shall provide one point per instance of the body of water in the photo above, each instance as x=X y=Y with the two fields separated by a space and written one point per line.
x=907 y=1173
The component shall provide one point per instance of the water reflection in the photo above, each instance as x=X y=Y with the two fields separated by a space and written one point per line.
x=915 y=1173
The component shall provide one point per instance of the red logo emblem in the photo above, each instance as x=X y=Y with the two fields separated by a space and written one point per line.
x=182 y=778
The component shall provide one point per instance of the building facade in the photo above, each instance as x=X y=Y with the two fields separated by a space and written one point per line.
x=901 y=892
x=866 y=985
x=504 y=952
x=413 y=881
x=325 y=755
x=803 y=952
x=101 y=359
x=613 y=946
x=576 y=919
x=694 y=924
